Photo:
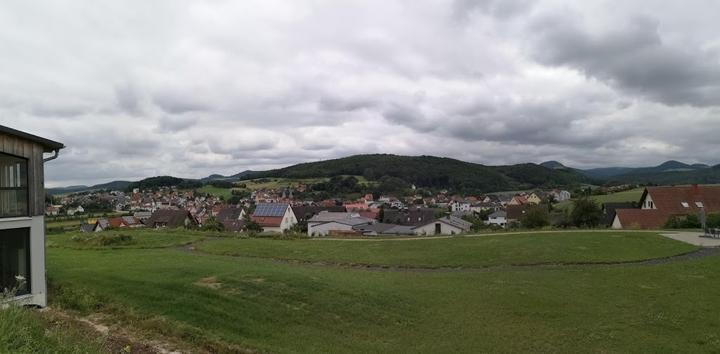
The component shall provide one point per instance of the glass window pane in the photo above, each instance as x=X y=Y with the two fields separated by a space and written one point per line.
x=15 y=260
x=13 y=186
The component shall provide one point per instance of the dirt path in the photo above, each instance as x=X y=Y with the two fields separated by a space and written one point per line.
x=115 y=339
x=427 y=238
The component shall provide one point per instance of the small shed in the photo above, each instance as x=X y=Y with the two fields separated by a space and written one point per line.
x=22 y=214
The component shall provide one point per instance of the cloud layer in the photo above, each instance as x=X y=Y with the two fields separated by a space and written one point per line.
x=136 y=89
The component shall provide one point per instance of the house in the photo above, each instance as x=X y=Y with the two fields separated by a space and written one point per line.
x=73 y=211
x=608 y=211
x=518 y=200
x=498 y=218
x=274 y=217
x=22 y=214
x=171 y=219
x=534 y=199
x=409 y=217
x=448 y=225
x=303 y=213
x=659 y=204
x=513 y=213
x=328 y=223
x=232 y=218
x=52 y=210
x=561 y=195
x=460 y=206
x=87 y=228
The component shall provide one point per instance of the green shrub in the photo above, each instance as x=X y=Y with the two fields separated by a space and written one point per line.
x=691 y=221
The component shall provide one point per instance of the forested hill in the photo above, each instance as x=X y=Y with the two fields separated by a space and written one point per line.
x=435 y=172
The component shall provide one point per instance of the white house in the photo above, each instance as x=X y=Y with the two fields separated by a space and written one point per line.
x=458 y=206
x=449 y=225
x=498 y=218
x=22 y=214
x=274 y=217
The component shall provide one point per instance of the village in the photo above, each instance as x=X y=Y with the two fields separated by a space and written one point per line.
x=278 y=211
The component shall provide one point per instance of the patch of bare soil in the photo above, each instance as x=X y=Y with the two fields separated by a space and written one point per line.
x=115 y=339
x=209 y=282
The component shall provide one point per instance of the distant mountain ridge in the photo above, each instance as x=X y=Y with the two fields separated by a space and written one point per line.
x=433 y=172
x=447 y=173
x=669 y=172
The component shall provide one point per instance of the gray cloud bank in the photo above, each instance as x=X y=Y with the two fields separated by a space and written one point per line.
x=136 y=89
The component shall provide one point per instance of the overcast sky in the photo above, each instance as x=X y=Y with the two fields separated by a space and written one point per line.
x=191 y=88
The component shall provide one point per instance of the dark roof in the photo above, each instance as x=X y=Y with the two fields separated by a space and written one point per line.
x=233 y=225
x=609 y=210
x=410 y=217
x=48 y=144
x=270 y=210
x=515 y=212
x=229 y=214
x=169 y=218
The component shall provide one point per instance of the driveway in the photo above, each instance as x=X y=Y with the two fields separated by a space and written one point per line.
x=693 y=238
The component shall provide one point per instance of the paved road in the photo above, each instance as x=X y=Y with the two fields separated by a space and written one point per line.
x=693 y=238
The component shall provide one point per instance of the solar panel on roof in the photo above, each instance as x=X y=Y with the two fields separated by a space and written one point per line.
x=270 y=209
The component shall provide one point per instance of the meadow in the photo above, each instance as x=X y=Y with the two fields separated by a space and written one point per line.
x=542 y=292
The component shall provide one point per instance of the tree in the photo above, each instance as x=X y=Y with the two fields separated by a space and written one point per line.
x=250 y=225
x=586 y=213
x=212 y=224
x=535 y=217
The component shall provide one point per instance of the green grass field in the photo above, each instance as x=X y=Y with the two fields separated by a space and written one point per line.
x=218 y=192
x=255 y=302
x=626 y=196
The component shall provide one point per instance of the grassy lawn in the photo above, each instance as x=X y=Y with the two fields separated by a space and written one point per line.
x=218 y=192
x=114 y=240
x=261 y=304
x=26 y=331
x=632 y=195
x=562 y=247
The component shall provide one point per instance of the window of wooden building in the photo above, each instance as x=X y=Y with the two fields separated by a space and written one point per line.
x=13 y=186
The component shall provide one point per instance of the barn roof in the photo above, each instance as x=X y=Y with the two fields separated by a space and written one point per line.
x=685 y=199
x=48 y=144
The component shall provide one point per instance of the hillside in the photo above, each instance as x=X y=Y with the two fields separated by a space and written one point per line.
x=115 y=185
x=434 y=172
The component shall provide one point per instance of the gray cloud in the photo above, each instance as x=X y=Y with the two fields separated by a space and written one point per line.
x=195 y=88
x=632 y=57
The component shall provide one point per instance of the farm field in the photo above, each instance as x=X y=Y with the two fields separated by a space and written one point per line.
x=251 y=299
x=632 y=195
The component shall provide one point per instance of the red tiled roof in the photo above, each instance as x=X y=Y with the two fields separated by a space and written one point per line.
x=669 y=199
x=642 y=218
x=268 y=221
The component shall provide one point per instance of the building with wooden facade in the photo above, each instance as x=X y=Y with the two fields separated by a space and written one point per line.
x=22 y=214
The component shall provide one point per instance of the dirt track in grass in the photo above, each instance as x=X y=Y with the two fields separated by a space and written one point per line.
x=683 y=257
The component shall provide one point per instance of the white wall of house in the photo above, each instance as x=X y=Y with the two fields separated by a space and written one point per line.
x=289 y=220
x=445 y=229
x=38 y=288
x=499 y=221
x=616 y=223
x=648 y=203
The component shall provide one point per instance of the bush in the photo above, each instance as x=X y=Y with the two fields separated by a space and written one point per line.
x=535 y=217
x=586 y=213
x=683 y=222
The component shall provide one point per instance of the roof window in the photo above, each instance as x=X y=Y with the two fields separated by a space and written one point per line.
x=685 y=205
x=699 y=204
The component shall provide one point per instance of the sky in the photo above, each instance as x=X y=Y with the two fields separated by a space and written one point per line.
x=192 y=88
